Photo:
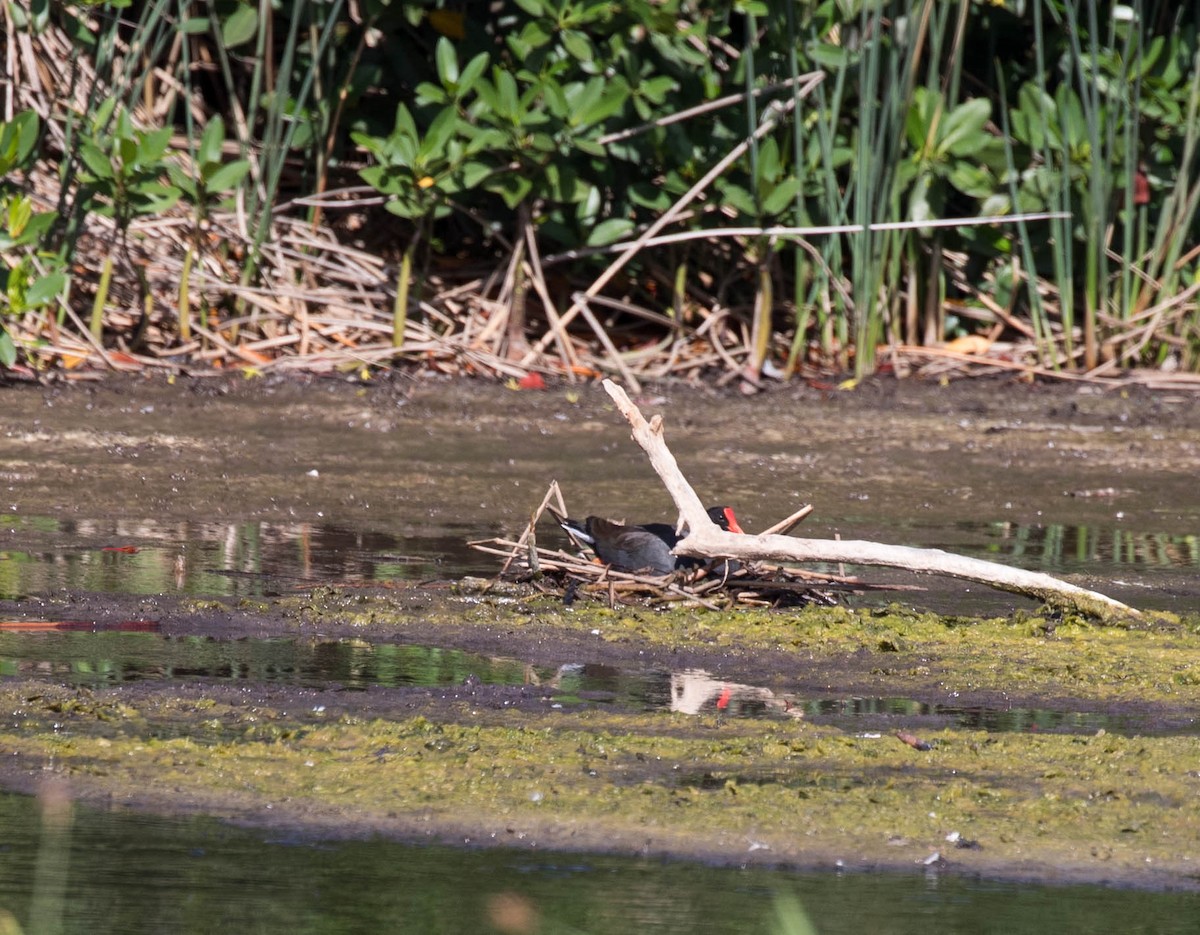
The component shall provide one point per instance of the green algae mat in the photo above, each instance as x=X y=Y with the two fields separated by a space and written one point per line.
x=515 y=765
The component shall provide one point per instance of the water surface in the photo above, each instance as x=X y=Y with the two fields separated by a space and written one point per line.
x=131 y=874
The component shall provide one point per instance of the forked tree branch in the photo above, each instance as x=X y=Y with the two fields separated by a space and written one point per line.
x=707 y=540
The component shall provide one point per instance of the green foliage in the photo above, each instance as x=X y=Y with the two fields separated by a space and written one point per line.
x=22 y=227
x=950 y=148
x=125 y=168
x=25 y=290
x=240 y=26
x=421 y=172
x=210 y=176
x=768 y=194
x=17 y=140
x=512 y=133
x=25 y=284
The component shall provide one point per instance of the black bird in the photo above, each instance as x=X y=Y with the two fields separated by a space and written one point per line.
x=641 y=547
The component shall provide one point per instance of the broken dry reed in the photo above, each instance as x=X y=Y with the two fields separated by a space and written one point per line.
x=761 y=585
x=784 y=526
x=756 y=584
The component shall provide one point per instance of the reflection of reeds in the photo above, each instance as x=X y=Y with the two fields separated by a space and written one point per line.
x=201 y=557
x=790 y=917
x=1055 y=545
x=48 y=907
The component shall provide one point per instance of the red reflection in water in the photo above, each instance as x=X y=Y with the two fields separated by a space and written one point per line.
x=91 y=626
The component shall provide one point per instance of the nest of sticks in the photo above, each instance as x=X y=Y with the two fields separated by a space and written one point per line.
x=716 y=585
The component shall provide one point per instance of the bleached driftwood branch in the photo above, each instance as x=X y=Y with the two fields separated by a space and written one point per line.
x=707 y=540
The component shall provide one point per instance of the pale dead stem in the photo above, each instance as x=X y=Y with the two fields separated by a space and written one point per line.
x=579 y=305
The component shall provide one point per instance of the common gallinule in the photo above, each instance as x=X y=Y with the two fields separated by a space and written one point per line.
x=645 y=546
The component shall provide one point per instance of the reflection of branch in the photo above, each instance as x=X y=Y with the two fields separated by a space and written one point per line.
x=707 y=540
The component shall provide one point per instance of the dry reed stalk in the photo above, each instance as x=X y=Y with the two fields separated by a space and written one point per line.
x=784 y=526
x=1174 y=309
x=614 y=356
x=495 y=317
x=1002 y=314
x=670 y=364
x=230 y=349
x=1164 y=381
x=985 y=364
x=770 y=118
x=535 y=274
x=553 y=492
x=733 y=367
x=496 y=365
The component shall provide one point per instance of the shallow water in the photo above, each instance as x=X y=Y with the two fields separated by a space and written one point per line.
x=42 y=554
x=317 y=483
x=130 y=874
x=146 y=490
x=131 y=651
